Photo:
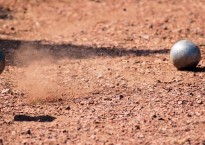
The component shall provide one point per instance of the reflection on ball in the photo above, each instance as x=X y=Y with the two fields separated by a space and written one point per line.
x=185 y=54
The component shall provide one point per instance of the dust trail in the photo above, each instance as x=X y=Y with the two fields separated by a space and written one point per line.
x=45 y=76
x=39 y=78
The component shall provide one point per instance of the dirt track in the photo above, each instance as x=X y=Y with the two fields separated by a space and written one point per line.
x=98 y=72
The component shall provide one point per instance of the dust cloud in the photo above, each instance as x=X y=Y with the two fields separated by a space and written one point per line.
x=39 y=77
x=45 y=76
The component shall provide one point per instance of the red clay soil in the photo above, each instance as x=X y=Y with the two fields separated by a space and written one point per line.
x=99 y=72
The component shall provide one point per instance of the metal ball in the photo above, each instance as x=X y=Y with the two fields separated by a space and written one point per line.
x=2 y=62
x=185 y=54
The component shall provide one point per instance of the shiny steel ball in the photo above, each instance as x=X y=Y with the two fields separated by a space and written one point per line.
x=2 y=62
x=185 y=55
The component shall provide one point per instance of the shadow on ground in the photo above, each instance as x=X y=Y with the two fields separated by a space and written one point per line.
x=27 y=118
x=79 y=51
x=196 y=69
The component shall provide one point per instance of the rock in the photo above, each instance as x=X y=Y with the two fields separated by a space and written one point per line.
x=5 y=91
x=137 y=127
x=146 y=37
x=181 y=102
x=197 y=113
x=141 y=136
x=91 y=102
x=28 y=131
x=121 y=97
x=199 y=101
x=150 y=26
x=67 y=108
x=99 y=76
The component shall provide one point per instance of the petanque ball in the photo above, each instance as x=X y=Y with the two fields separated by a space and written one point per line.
x=185 y=54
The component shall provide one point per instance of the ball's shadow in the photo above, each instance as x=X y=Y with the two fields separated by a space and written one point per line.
x=199 y=69
x=195 y=69
x=27 y=118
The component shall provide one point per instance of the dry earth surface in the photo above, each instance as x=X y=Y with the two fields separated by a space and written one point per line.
x=98 y=72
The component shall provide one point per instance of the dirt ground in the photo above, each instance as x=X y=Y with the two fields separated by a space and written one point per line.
x=99 y=72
